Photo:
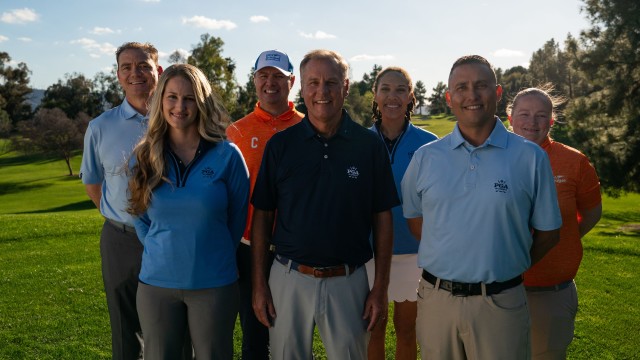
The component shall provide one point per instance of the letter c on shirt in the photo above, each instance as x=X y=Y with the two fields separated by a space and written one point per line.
x=254 y=142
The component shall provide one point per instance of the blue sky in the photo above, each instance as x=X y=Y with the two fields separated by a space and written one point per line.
x=423 y=36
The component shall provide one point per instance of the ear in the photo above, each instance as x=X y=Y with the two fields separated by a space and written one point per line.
x=499 y=92
x=160 y=70
x=447 y=97
x=292 y=80
x=510 y=121
x=551 y=121
x=346 y=87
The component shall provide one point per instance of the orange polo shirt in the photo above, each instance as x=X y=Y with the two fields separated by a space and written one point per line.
x=251 y=134
x=578 y=189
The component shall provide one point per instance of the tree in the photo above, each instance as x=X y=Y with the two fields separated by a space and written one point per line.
x=420 y=93
x=177 y=57
x=108 y=88
x=14 y=89
x=247 y=98
x=74 y=95
x=438 y=101
x=52 y=132
x=367 y=80
x=606 y=120
x=207 y=56
x=359 y=105
x=512 y=80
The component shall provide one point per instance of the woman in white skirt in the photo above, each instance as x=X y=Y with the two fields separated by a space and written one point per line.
x=393 y=105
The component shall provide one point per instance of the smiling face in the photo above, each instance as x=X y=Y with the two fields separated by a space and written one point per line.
x=393 y=94
x=473 y=95
x=272 y=88
x=137 y=73
x=531 y=117
x=179 y=106
x=323 y=89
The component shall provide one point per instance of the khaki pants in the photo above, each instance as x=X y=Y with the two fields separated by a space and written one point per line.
x=473 y=327
x=553 y=315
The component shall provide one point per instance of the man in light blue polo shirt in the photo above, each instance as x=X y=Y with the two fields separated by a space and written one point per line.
x=483 y=202
x=108 y=142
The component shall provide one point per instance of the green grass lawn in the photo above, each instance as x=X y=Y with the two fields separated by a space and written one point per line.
x=52 y=304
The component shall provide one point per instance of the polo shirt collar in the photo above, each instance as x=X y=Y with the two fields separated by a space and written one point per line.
x=128 y=112
x=345 y=129
x=264 y=116
x=497 y=138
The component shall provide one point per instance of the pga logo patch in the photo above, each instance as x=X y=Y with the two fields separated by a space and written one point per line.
x=352 y=172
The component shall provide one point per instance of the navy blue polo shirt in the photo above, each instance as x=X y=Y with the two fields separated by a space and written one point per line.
x=325 y=192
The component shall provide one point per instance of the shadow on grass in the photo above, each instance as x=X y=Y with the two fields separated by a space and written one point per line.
x=17 y=187
x=613 y=251
x=25 y=159
x=80 y=205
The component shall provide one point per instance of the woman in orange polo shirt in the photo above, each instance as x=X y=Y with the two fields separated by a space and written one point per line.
x=551 y=291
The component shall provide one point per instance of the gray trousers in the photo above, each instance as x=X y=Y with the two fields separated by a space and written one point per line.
x=335 y=305
x=121 y=253
x=208 y=314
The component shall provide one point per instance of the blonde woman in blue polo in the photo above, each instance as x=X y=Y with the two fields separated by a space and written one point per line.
x=189 y=191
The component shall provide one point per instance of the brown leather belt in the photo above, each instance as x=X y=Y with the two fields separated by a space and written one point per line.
x=317 y=272
x=471 y=289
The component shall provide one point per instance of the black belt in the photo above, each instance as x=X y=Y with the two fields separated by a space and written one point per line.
x=122 y=226
x=558 y=287
x=318 y=272
x=470 y=289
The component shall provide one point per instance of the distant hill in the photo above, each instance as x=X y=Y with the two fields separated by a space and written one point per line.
x=35 y=98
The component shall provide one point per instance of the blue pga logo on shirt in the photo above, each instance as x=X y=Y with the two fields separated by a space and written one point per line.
x=501 y=186
x=208 y=172
x=352 y=172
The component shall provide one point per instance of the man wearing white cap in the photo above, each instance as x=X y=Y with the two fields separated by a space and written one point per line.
x=274 y=112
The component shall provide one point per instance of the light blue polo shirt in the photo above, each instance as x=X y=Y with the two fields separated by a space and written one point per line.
x=479 y=204
x=108 y=143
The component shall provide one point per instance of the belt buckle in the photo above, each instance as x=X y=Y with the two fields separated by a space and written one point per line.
x=326 y=271
x=459 y=289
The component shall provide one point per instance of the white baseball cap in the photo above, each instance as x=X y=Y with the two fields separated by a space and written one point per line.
x=276 y=59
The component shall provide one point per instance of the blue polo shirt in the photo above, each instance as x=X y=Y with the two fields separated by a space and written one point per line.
x=108 y=143
x=479 y=204
x=193 y=226
x=400 y=154
x=325 y=192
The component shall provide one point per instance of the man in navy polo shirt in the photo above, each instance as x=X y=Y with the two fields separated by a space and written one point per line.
x=329 y=181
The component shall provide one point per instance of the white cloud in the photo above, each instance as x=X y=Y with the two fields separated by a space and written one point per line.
x=211 y=24
x=25 y=39
x=94 y=48
x=3 y=38
x=259 y=19
x=366 y=57
x=102 y=31
x=19 y=16
x=319 y=35
x=507 y=53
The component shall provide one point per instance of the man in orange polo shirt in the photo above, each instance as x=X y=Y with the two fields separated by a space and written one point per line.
x=274 y=112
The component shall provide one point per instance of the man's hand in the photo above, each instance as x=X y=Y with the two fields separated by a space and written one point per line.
x=376 y=307
x=263 y=305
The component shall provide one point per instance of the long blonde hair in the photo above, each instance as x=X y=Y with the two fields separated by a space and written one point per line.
x=149 y=169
